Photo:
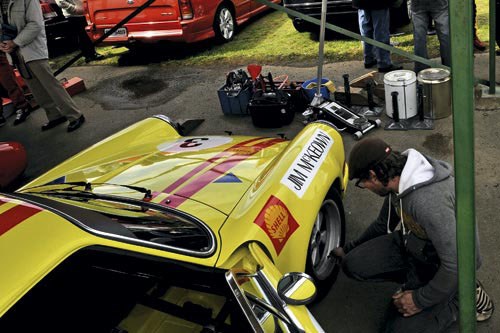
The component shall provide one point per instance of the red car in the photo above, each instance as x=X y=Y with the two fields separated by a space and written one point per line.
x=173 y=20
x=12 y=161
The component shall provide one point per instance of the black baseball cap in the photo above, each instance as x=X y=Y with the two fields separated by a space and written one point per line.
x=365 y=155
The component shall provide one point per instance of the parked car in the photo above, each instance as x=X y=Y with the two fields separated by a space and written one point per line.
x=13 y=162
x=171 y=20
x=56 y=25
x=151 y=231
x=341 y=12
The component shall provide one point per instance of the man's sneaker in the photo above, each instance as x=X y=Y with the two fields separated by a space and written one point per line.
x=2 y=120
x=21 y=115
x=484 y=304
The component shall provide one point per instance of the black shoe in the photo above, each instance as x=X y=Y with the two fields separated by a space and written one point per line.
x=94 y=57
x=371 y=64
x=75 y=124
x=53 y=123
x=390 y=68
x=22 y=115
x=2 y=121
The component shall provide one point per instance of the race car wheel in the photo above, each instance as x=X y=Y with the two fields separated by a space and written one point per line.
x=327 y=234
x=224 y=24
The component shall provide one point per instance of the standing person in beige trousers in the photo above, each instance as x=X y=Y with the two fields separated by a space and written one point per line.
x=29 y=53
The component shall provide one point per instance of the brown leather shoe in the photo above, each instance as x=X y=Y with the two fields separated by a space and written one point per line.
x=75 y=124
x=53 y=123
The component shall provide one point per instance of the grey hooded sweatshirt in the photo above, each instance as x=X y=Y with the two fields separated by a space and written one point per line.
x=424 y=214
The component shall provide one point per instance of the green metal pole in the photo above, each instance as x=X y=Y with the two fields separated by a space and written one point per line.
x=492 y=47
x=462 y=64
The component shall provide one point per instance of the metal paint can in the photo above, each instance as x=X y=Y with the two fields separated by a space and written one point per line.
x=436 y=90
x=404 y=82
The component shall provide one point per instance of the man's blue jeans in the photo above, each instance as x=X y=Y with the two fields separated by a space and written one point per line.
x=420 y=23
x=374 y=24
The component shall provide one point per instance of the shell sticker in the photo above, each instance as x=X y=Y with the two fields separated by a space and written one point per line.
x=277 y=222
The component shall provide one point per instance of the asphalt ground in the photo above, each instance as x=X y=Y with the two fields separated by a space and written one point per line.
x=117 y=97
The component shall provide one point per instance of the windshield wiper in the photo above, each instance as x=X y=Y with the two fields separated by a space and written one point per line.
x=88 y=188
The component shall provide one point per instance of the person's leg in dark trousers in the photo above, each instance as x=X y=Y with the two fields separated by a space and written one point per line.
x=366 y=29
x=436 y=319
x=420 y=22
x=379 y=259
x=384 y=259
x=78 y=24
x=8 y=82
x=49 y=93
x=442 y=22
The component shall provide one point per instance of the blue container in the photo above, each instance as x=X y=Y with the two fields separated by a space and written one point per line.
x=313 y=87
x=235 y=103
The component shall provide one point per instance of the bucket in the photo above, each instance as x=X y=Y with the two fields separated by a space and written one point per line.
x=405 y=83
x=436 y=90
x=311 y=87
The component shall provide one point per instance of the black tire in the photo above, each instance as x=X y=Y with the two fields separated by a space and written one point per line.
x=401 y=15
x=224 y=24
x=299 y=25
x=328 y=233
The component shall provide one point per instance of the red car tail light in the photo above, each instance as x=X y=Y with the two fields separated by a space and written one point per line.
x=186 y=9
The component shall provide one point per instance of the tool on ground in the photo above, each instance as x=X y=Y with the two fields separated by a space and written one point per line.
x=342 y=118
x=347 y=90
x=396 y=124
x=254 y=71
x=270 y=106
x=421 y=123
x=372 y=110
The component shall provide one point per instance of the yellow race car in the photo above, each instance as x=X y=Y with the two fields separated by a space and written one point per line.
x=149 y=231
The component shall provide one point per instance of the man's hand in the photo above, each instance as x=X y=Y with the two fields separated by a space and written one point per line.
x=404 y=303
x=64 y=4
x=339 y=252
x=8 y=46
x=336 y=255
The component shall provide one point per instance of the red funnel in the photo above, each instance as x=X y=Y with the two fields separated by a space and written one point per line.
x=254 y=70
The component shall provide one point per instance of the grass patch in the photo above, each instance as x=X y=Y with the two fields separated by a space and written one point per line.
x=268 y=39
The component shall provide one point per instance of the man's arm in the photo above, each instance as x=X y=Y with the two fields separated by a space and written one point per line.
x=437 y=215
x=34 y=23
x=378 y=227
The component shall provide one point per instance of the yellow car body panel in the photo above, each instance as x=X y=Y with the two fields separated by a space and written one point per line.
x=273 y=201
x=258 y=196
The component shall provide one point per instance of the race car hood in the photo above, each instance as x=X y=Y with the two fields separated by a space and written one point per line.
x=213 y=170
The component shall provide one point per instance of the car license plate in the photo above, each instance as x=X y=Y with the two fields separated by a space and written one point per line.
x=120 y=32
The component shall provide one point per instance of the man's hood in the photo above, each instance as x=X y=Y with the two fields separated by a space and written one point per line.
x=421 y=170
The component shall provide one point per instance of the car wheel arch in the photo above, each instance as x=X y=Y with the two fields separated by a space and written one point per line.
x=324 y=285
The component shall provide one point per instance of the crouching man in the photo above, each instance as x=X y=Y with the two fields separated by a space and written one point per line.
x=413 y=240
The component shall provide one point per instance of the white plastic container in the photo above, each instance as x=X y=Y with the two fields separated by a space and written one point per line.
x=405 y=83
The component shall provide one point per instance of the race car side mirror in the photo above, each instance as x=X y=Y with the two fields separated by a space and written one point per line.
x=296 y=288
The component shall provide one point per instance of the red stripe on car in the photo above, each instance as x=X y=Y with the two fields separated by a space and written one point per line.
x=210 y=175
x=206 y=164
x=12 y=217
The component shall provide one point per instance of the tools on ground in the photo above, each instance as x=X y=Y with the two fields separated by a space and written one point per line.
x=271 y=106
x=395 y=124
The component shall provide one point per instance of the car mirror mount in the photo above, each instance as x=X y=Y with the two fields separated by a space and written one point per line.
x=296 y=288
